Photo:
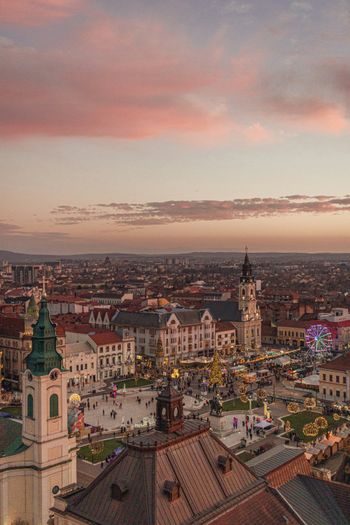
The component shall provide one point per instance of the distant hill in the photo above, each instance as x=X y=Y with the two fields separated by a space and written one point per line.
x=289 y=257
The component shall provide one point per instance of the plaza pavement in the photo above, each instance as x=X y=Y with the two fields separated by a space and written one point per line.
x=127 y=408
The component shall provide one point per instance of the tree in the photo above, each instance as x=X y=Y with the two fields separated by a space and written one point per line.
x=215 y=377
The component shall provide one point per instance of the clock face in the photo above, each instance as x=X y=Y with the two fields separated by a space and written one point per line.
x=55 y=489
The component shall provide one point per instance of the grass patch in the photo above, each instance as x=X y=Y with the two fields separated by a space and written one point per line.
x=108 y=446
x=236 y=404
x=15 y=411
x=300 y=419
x=131 y=383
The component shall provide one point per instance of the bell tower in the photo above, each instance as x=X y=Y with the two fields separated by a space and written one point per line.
x=44 y=409
x=169 y=409
x=247 y=291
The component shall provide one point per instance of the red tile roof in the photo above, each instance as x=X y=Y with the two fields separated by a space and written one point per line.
x=105 y=338
x=340 y=363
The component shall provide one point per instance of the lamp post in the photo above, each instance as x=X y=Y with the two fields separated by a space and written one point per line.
x=250 y=400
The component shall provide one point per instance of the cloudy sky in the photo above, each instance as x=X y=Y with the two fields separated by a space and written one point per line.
x=174 y=125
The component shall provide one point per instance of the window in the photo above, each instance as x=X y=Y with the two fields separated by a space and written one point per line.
x=337 y=379
x=30 y=406
x=330 y=377
x=54 y=405
x=344 y=380
x=330 y=392
x=324 y=391
x=337 y=393
x=324 y=377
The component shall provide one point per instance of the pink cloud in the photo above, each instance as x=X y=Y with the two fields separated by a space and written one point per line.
x=258 y=134
x=134 y=79
x=107 y=87
x=36 y=12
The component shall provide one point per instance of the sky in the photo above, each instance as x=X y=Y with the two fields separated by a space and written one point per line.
x=165 y=126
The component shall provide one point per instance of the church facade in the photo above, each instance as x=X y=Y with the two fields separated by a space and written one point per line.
x=244 y=313
x=37 y=458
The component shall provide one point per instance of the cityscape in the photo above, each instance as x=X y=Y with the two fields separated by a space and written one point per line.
x=174 y=262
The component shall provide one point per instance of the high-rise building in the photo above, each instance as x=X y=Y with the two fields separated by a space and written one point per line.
x=25 y=274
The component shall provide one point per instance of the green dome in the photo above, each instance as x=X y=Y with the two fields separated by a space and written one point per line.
x=44 y=356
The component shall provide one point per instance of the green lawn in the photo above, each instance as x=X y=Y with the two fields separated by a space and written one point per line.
x=131 y=383
x=300 y=419
x=15 y=411
x=236 y=404
x=108 y=446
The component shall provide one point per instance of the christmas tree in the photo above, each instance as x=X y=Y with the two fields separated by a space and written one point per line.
x=215 y=377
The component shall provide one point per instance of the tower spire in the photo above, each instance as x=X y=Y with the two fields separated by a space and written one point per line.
x=44 y=356
x=247 y=271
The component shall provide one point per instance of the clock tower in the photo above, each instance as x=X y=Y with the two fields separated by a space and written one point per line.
x=250 y=325
x=44 y=410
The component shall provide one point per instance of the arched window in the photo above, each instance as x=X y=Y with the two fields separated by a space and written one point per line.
x=30 y=406
x=54 y=405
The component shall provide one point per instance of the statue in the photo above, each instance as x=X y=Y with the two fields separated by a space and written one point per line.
x=216 y=406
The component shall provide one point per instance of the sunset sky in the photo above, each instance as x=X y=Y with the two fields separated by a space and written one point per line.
x=174 y=125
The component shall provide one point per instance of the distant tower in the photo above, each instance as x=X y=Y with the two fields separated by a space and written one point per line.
x=44 y=409
x=247 y=303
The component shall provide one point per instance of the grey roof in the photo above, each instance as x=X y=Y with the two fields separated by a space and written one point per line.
x=317 y=501
x=273 y=458
x=157 y=319
x=224 y=310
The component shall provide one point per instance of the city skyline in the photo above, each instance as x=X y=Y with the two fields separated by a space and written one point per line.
x=168 y=127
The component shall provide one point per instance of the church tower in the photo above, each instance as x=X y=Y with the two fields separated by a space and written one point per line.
x=44 y=409
x=247 y=304
x=247 y=291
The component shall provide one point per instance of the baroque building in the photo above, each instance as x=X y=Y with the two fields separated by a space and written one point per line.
x=37 y=458
x=244 y=313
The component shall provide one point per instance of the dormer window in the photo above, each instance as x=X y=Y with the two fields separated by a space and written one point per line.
x=172 y=490
x=119 y=490
x=225 y=464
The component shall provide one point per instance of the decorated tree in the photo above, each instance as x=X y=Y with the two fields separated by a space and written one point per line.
x=215 y=377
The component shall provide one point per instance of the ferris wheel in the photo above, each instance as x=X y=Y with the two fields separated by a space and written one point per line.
x=318 y=339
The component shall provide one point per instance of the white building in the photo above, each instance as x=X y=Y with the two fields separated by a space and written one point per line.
x=166 y=337
x=37 y=458
x=81 y=363
x=114 y=355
